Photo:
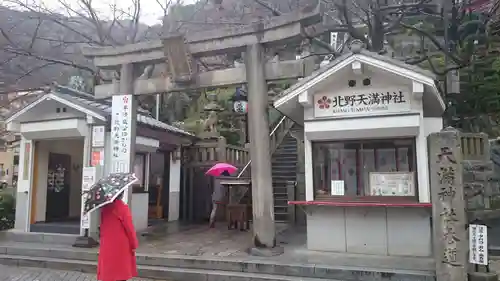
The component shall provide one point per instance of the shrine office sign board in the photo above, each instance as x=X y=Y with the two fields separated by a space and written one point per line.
x=121 y=133
x=362 y=102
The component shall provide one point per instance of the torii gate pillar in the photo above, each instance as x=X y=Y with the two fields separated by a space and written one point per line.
x=262 y=188
x=123 y=126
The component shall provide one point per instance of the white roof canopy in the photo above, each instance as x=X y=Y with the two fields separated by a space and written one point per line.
x=357 y=66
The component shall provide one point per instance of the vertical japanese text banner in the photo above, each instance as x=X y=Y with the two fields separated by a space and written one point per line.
x=121 y=131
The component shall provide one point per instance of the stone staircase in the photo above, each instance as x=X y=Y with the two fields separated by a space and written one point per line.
x=284 y=165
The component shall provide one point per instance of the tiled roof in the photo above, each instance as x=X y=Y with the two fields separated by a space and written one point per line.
x=104 y=107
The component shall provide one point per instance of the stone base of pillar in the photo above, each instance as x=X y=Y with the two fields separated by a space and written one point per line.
x=266 y=252
x=482 y=276
x=85 y=242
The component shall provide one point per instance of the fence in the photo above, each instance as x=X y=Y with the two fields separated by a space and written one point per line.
x=196 y=187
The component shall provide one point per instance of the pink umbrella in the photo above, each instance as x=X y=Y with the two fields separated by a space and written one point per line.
x=219 y=168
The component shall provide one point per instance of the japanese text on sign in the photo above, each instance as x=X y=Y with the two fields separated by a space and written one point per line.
x=362 y=102
x=478 y=243
x=121 y=132
x=98 y=136
x=446 y=175
x=88 y=179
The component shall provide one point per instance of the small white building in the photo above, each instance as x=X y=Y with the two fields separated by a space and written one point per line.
x=59 y=131
x=366 y=119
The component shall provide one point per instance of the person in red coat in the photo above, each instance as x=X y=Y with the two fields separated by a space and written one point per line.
x=117 y=244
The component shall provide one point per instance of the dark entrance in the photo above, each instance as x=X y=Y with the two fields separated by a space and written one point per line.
x=58 y=187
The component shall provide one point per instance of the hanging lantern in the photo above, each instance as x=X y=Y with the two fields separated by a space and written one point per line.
x=240 y=107
x=240 y=103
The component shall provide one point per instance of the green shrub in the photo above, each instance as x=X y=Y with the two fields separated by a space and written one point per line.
x=7 y=211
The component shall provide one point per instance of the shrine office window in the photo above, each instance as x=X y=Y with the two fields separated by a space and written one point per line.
x=346 y=169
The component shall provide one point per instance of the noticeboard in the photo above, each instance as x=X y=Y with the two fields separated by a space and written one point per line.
x=392 y=184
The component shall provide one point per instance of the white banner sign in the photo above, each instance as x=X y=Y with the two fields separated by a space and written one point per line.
x=478 y=244
x=364 y=101
x=98 y=133
x=88 y=179
x=121 y=131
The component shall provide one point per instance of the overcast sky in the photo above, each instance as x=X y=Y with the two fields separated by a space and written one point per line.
x=151 y=11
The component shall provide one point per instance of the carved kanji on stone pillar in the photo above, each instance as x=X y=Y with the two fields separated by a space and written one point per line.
x=448 y=205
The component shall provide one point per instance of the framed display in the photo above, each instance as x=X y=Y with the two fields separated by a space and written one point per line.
x=392 y=184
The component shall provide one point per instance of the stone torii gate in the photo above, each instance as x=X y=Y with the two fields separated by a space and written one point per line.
x=177 y=51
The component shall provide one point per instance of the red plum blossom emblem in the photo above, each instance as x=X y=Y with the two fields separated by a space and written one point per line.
x=324 y=102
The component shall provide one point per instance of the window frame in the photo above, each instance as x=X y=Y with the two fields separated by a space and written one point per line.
x=140 y=186
x=360 y=184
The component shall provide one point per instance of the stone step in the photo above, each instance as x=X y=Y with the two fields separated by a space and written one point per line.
x=284 y=164
x=287 y=163
x=280 y=195
x=284 y=152
x=289 y=167
x=282 y=184
x=32 y=237
x=154 y=272
x=281 y=171
x=494 y=251
x=196 y=267
x=287 y=148
x=283 y=178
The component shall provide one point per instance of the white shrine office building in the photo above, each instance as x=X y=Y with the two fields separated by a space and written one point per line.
x=366 y=118
x=63 y=132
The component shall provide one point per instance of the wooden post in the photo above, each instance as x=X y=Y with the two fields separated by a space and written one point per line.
x=448 y=205
x=221 y=149
x=262 y=189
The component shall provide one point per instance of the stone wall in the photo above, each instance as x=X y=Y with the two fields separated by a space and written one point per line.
x=477 y=176
x=477 y=172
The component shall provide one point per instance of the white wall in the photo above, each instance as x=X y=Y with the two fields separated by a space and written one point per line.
x=72 y=147
x=107 y=154
x=139 y=212
x=47 y=110
x=174 y=189
x=392 y=231
x=23 y=197
x=432 y=125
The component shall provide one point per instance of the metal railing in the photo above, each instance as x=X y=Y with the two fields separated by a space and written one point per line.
x=277 y=134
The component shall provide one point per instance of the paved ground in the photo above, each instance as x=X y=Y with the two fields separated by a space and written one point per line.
x=8 y=273
x=197 y=240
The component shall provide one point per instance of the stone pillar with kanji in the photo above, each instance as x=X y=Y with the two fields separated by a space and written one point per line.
x=448 y=205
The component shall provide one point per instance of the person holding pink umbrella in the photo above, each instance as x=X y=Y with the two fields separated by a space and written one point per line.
x=218 y=195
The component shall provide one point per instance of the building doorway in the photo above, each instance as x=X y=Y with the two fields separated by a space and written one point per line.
x=57 y=180
x=58 y=187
